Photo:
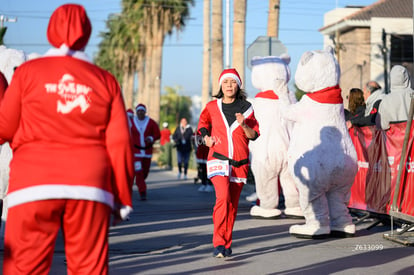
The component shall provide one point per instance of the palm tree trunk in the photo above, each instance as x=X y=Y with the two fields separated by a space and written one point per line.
x=140 y=67
x=239 y=36
x=205 y=92
x=273 y=18
x=125 y=89
x=148 y=77
x=156 y=67
x=149 y=47
x=126 y=84
x=131 y=85
x=216 y=43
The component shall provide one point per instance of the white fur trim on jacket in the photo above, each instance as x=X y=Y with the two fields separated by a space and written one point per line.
x=59 y=191
x=64 y=50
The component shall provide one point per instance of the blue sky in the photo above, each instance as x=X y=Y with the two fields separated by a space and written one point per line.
x=182 y=59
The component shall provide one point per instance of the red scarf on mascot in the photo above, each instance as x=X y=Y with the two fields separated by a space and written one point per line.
x=267 y=94
x=331 y=95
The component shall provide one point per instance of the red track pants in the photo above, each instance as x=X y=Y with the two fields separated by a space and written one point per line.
x=225 y=209
x=142 y=174
x=32 y=229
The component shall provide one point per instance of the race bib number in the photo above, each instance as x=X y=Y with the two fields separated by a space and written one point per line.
x=217 y=168
x=138 y=166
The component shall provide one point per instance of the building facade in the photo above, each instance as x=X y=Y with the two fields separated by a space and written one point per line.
x=369 y=40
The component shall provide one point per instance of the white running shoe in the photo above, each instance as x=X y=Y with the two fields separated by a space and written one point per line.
x=345 y=231
x=209 y=189
x=179 y=176
x=261 y=213
x=202 y=188
x=306 y=231
x=251 y=197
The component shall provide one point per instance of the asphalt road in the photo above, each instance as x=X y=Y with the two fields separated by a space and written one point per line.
x=171 y=233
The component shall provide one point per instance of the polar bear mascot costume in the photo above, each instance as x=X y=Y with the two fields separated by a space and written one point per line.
x=321 y=155
x=269 y=151
x=9 y=60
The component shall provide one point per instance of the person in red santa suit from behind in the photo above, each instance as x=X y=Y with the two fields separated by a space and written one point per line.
x=226 y=125
x=165 y=134
x=72 y=159
x=3 y=86
x=130 y=115
x=145 y=131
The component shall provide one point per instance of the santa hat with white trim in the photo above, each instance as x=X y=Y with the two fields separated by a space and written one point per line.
x=232 y=73
x=141 y=107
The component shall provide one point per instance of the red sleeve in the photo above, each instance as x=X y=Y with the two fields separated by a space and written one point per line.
x=156 y=134
x=119 y=146
x=204 y=121
x=10 y=108
x=253 y=123
x=3 y=85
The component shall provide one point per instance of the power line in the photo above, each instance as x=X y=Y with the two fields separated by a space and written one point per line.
x=189 y=45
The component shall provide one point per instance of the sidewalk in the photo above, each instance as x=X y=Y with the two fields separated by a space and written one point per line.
x=171 y=233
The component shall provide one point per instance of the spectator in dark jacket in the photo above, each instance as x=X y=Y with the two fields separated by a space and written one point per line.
x=182 y=139
x=373 y=96
x=356 y=104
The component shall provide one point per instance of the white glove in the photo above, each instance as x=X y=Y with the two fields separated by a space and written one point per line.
x=125 y=211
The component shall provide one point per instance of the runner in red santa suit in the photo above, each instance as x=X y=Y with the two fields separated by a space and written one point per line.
x=3 y=85
x=3 y=186
x=145 y=131
x=201 y=156
x=72 y=159
x=165 y=134
x=226 y=125
x=130 y=116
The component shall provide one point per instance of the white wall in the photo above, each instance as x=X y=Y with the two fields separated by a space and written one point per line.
x=334 y=16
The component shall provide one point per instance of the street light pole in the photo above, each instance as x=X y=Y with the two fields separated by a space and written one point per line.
x=4 y=29
x=6 y=19
x=227 y=34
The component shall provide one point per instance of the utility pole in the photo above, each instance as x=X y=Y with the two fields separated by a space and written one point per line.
x=4 y=29
x=385 y=58
x=273 y=19
x=227 y=34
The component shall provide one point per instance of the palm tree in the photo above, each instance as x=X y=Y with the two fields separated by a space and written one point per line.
x=273 y=18
x=135 y=45
x=239 y=36
x=121 y=48
x=115 y=57
x=216 y=43
x=205 y=91
x=159 y=18
x=132 y=13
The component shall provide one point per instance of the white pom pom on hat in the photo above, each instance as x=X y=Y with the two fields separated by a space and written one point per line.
x=232 y=73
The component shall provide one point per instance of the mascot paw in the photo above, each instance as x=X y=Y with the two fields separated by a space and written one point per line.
x=293 y=213
x=347 y=231
x=305 y=231
x=261 y=213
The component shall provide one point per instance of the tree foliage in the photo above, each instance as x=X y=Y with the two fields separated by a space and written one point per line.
x=174 y=107
x=298 y=93
x=131 y=47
